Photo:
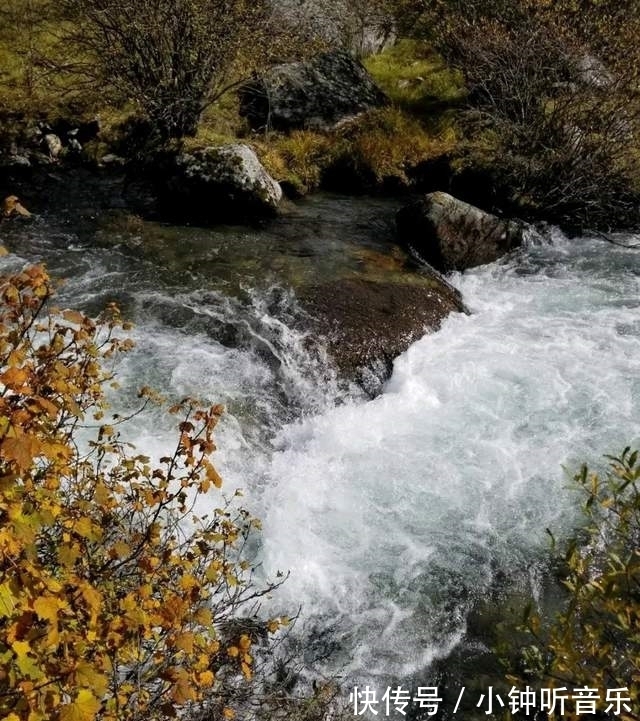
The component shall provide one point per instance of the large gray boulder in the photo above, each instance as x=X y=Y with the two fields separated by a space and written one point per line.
x=220 y=184
x=452 y=235
x=316 y=94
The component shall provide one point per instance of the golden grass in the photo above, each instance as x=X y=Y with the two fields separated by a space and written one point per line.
x=299 y=158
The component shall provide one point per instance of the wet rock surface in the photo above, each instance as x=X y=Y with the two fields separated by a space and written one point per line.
x=368 y=323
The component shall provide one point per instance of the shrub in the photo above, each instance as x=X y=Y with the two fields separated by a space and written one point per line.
x=116 y=601
x=595 y=640
x=566 y=133
x=174 y=60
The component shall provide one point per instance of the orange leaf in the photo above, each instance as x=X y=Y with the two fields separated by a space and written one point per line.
x=14 y=378
x=20 y=451
x=206 y=678
x=73 y=316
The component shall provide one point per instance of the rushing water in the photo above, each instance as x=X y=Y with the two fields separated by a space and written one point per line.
x=393 y=515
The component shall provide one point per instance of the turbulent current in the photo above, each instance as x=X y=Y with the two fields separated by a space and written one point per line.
x=392 y=515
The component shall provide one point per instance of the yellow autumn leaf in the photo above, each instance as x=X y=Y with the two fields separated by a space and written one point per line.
x=20 y=648
x=187 y=582
x=86 y=675
x=183 y=691
x=20 y=451
x=206 y=678
x=14 y=378
x=213 y=475
x=29 y=668
x=73 y=316
x=68 y=554
x=213 y=571
x=120 y=550
x=47 y=406
x=204 y=616
x=92 y=597
x=184 y=642
x=102 y=495
x=7 y=600
x=83 y=708
x=47 y=608
x=11 y=294
x=85 y=528
x=228 y=713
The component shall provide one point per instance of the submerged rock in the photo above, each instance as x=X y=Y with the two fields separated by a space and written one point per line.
x=316 y=94
x=220 y=184
x=453 y=235
x=369 y=323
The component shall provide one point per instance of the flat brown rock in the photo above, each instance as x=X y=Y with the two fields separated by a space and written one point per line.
x=369 y=323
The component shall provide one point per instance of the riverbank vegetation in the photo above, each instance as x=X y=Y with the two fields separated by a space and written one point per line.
x=593 y=641
x=116 y=599
x=524 y=107
x=127 y=589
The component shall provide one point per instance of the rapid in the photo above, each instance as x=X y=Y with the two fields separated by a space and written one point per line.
x=394 y=515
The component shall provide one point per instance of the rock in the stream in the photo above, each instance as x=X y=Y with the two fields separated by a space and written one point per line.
x=315 y=94
x=220 y=184
x=453 y=235
x=369 y=323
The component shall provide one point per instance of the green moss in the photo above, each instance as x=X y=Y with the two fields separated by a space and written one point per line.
x=415 y=77
x=220 y=124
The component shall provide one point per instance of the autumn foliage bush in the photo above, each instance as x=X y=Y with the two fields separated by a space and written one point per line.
x=595 y=639
x=116 y=601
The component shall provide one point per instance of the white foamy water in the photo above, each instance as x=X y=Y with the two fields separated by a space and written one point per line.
x=395 y=514
x=392 y=515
